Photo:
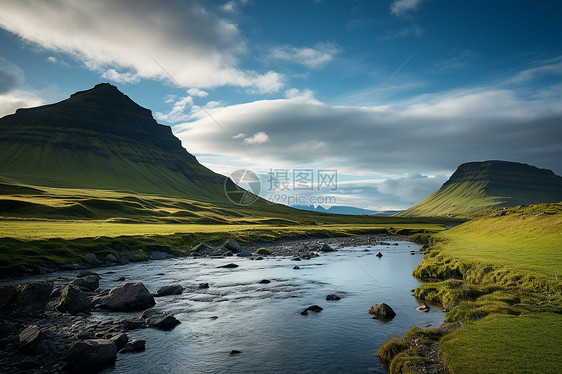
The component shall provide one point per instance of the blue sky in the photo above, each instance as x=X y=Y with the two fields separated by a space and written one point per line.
x=394 y=95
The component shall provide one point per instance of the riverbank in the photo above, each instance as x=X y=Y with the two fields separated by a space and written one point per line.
x=498 y=275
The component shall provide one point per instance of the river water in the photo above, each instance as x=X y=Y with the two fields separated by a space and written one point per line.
x=262 y=321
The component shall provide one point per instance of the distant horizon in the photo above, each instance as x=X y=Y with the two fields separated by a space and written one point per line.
x=384 y=98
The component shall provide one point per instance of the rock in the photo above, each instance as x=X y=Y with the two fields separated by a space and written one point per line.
x=173 y=289
x=312 y=308
x=234 y=352
x=120 y=279
x=111 y=258
x=33 y=297
x=423 y=308
x=8 y=295
x=333 y=297
x=88 y=283
x=259 y=258
x=202 y=286
x=244 y=254
x=136 y=345
x=133 y=324
x=85 y=335
x=296 y=267
x=128 y=297
x=32 y=341
x=296 y=258
x=159 y=255
x=326 y=248
x=264 y=281
x=203 y=250
x=92 y=260
x=379 y=255
x=28 y=363
x=92 y=354
x=120 y=341
x=162 y=321
x=232 y=245
x=382 y=311
x=86 y=273
x=73 y=300
x=228 y=266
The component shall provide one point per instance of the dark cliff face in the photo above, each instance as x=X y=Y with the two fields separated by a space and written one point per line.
x=99 y=138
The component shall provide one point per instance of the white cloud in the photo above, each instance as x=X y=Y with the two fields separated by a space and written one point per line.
x=257 y=138
x=180 y=110
x=305 y=95
x=16 y=99
x=126 y=77
x=313 y=57
x=197 y=92
x=195 y=46
x=552 y=67
x=400 y=7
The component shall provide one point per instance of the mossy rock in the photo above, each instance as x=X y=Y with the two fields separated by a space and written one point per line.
x=263 y=251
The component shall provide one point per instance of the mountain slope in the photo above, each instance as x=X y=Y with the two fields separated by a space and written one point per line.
x=100 y=138
x=475 y=186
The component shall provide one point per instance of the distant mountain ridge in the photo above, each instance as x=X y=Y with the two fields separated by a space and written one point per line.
x=100 y=138
x=342 y=209
x=475 y=186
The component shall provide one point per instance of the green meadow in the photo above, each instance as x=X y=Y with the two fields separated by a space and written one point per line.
x=499 y=274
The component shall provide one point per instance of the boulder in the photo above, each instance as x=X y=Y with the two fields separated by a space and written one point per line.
x=128 y=297
x=32 y=341
x=234 y=352
x=423 y=308
x=8 y=295
x=73 y=300
x=382 y=311
x=244 y=254
x=92 y=260
x=86 y=273
x=296 y=258
x=203 y=250
x=111 y=258
x=173 y=289
x=88 y=283
x=232 y=245
x=312 y=308
x=228 y=266
x=136 y=345
x=296 y=267
x=326 y=248
x=332 y=297
x=92 y=354
x=264 y=281
x=202 y=286
x=33 y=297
x=160 y=320
x=156 y=255
x=133 y=324
x=120 y=341
x=379 y=255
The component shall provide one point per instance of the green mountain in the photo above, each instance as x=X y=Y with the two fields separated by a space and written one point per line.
x=476 y=186
x=101 y=139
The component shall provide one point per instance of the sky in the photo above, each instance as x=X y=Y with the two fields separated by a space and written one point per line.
x=371 y=104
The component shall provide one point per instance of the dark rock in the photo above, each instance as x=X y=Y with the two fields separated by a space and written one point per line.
x=203 y=250
x=296 y=267
x=326 y=248
x=159 y=255
x=296 y=258
x=32 y=341
x=259 y=258
x=228 y=266
x=232 y=245
x=312 y=308
x=120 y=341
x=133 y=324
x=86 y=273
x=120 y=279
x=234 y=352
x=333 y=297
x=111 y=258
x=382 y=311
x=73 y=300
x=85 y=335
x=91 y=259
x=162 y=321
x=91 y=354
x=379 y=255
x=173 y=289
x=33 y=297
x=8 y=295
x=28 y=363
x=137 y=345
x=264 y=281
x=203 y=286
x=88 y=283
x=128 y=297
x=423 y=308
x=244 y=254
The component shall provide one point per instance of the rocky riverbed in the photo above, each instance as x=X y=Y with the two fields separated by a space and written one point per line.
x=71 y=324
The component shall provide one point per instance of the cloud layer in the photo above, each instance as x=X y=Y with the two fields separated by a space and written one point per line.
x=147 y=39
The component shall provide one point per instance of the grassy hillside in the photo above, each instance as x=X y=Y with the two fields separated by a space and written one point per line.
x=500 y=275
x=478 y=186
